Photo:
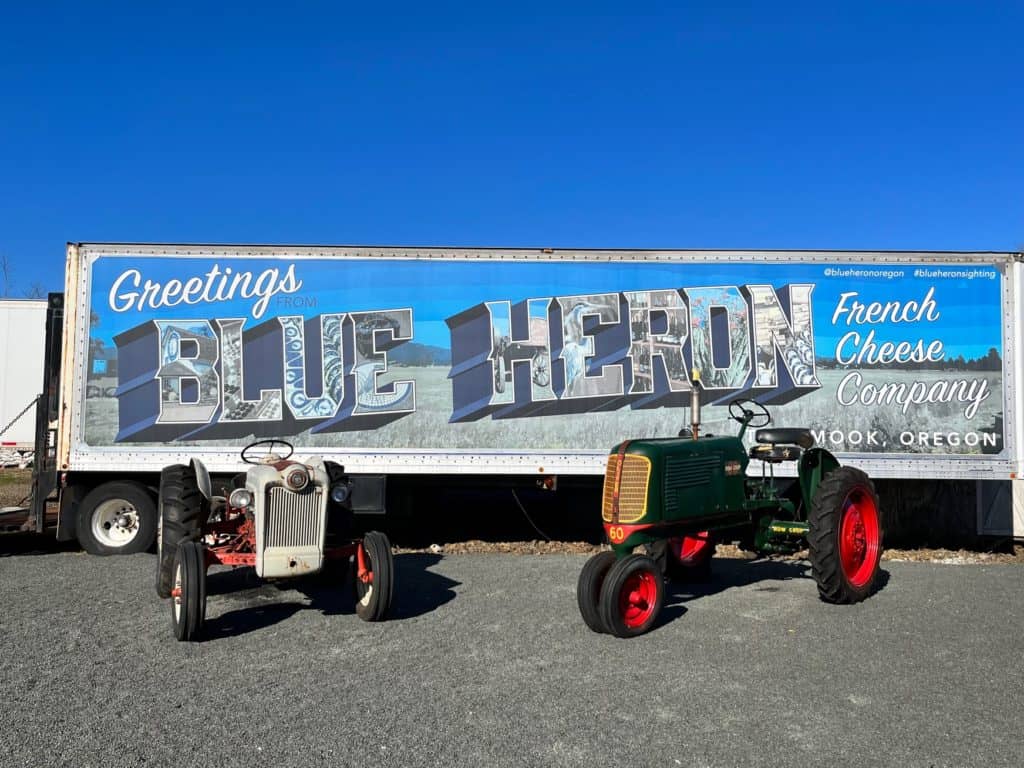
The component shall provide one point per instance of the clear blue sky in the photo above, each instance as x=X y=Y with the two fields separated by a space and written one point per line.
x=721 y=125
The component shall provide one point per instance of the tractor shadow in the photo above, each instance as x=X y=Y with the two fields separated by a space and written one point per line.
x=728 y=573
x=417 y=591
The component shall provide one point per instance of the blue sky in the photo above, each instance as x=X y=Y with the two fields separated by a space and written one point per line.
x=694 y=125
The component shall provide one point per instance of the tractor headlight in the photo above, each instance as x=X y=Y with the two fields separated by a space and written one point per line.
x=240 y=498
x=339 y=493
x=296 y=478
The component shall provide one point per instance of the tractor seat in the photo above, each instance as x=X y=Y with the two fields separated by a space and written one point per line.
x=775 y=454
x=782 y=436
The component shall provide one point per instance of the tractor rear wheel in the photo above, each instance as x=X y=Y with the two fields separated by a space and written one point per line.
x=845 y=536
x=631 y=596
x=181 y=513
x=188 y=594
x=588 y=588
x=374 y=587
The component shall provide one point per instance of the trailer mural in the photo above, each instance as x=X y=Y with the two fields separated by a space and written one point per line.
x=500 y=354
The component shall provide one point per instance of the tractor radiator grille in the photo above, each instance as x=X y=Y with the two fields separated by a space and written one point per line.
x=293 y=519
x=684 y=473
x=636 y=471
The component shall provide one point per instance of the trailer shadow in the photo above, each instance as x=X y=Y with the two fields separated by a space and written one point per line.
x=730 y=573
x=29 y=543
x=417 y=591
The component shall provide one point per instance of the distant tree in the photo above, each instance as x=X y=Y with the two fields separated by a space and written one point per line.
x=5 y=273
x=8 y=288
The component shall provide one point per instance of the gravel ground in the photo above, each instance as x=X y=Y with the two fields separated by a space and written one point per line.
x=486 y=662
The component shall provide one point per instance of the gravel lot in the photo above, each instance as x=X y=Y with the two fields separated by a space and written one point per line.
x=487 y=662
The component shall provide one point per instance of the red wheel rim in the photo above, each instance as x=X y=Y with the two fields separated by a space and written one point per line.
x=637 y=598
x=858 y=537
x=691 y=550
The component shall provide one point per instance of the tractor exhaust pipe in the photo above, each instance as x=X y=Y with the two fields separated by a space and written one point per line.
x=695 y=405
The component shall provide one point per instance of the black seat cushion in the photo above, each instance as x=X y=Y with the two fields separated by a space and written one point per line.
x=774 y=454
x=783 y=436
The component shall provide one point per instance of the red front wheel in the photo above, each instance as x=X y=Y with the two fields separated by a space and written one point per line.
x=686 y=558
x=631 y=596
x=588 y=588
x=188 y=591
x=374 y=577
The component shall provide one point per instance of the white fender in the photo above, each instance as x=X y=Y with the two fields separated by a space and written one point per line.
x=202 y=478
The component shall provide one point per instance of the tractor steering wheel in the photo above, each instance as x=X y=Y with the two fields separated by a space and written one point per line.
x=739 y=411
x=249 y=458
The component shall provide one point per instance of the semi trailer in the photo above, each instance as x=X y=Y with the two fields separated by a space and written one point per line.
x=22 y=327
x=500 y=365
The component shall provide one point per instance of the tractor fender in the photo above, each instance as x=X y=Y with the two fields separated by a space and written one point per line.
x=202 y=478
x=815 y=465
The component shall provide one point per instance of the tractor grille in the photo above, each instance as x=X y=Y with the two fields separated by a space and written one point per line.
x=636 y=471
x=684 y=473
x=293 y=519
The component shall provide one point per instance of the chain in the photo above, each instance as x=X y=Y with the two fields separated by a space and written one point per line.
x=24 y=410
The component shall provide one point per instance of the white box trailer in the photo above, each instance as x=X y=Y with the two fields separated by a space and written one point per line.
x=522 y=363
x=22 y=327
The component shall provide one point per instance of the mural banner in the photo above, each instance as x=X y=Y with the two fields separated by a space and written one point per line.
x=530 y=355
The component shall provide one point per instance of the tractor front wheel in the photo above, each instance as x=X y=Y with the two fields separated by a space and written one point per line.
x=685 y=558
x=845 y=536
x=375 y=577
x=188 y=592
x=631 y=596
x=588 y=588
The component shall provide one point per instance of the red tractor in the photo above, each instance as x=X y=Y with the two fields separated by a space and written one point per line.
x=281 y=517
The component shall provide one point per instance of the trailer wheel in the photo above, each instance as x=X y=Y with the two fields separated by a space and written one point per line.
x=631 y=596
x=845 y=536
x=182 y=512
x=116 y=518
x=188 y=596
x=375 y=584
x=588 y=588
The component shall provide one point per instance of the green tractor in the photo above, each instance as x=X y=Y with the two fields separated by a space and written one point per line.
x=673 y=497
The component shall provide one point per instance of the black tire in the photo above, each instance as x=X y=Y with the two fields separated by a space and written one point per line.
x=373 y=599
x=694 y=569
x=188 y=607
x=183 y=511
x=621 y=615
x=845 y=536
x=117 y=518
x=588 y=588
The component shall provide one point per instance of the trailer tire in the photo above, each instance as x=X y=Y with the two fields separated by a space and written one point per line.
x=373 y=598
x=117 y=518
x=631 y=596
x=845 y=536
x=588 y=589
x=182 y=512
x=188 y=606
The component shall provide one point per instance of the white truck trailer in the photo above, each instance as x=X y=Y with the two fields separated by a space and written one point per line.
x=22 y=327
x=516 y=364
